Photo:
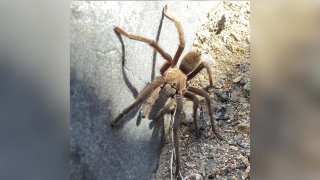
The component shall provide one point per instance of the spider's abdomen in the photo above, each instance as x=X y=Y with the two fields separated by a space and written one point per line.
x=176 y=77
x=190 y=61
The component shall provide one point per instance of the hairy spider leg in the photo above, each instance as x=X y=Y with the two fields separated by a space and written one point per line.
x=204 y=94
x=196 y=103
x=147 y=105
x=175 y=128
x=151 y=42
x=181 y=36
x=145 y=93
x=202 y=65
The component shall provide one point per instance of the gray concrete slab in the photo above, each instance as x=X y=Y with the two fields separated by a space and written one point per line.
x=106 y=76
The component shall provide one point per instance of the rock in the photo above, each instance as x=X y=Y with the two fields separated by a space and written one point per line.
x=233 y=166
x=234 y=36
x=246 y=90
x=190 y=164
x=208 y=58
x=184 y=152
x=210 y=167
x=224 y=38
x=203 y=35
x=248 y=40
x=239 y=174
x=244 y=127
x=220 y=123
x=234 y=97
x=235 y=123
x=243 y=81
x=242 y=100
x=244 y=160
x=244 y=67
x=193 y=177
x=221 y=95
x=221 y=114
x=106 y=76
x=247 y=172
x=234 y=148
x=186 y=116
x=240 y=143
x=237 y=79
x=206 y=119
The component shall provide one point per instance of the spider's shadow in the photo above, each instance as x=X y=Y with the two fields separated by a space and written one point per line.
x=126 y=80
x=133 y=90
x=154 y=59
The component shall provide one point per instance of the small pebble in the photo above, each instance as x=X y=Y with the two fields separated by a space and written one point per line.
x=243 y=81
x=190 y=165
x=244 y=160
x=237 y=79
x=193 y=176
x=240 y=143
x=244 y=127
x=247 y=172
x=183 y=152
x=222 y=96
x=234 y=148
x=234 y=97
x=246 y=90
x=233 y=166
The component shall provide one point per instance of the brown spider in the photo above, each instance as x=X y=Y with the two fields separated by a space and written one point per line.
x=174 y=82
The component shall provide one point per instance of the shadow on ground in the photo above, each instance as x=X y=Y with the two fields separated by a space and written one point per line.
x=97 y=150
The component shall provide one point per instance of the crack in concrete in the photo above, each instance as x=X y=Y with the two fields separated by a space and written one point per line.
x=134 y=75
x=126 y=68
x=105 y=52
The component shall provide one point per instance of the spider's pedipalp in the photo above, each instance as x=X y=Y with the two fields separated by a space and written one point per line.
x=146 y=92
x=147 y=105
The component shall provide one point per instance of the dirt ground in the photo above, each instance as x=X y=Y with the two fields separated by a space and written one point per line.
x=225 y=44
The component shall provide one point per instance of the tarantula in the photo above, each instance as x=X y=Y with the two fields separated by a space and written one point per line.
x=174 y=81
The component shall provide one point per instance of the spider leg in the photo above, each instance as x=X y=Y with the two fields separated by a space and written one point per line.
x=152 y=43
x=147 y=105
x=164 y=67
x=181 y=36
x=202 y=65
x=166 y=108
x=204 y=94
x=196 y=103
x=156 y=82
x=176 y=124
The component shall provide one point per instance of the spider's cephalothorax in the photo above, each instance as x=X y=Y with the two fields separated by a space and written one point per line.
x=176 y=78
x=173 y=81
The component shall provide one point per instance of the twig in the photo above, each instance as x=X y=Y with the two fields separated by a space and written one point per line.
x=230 y=131
x=171 y=165
x=172 y=148
x=173 y=154
x=181 y=175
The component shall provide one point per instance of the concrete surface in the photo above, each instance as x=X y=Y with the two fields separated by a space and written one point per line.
x=107 y=75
